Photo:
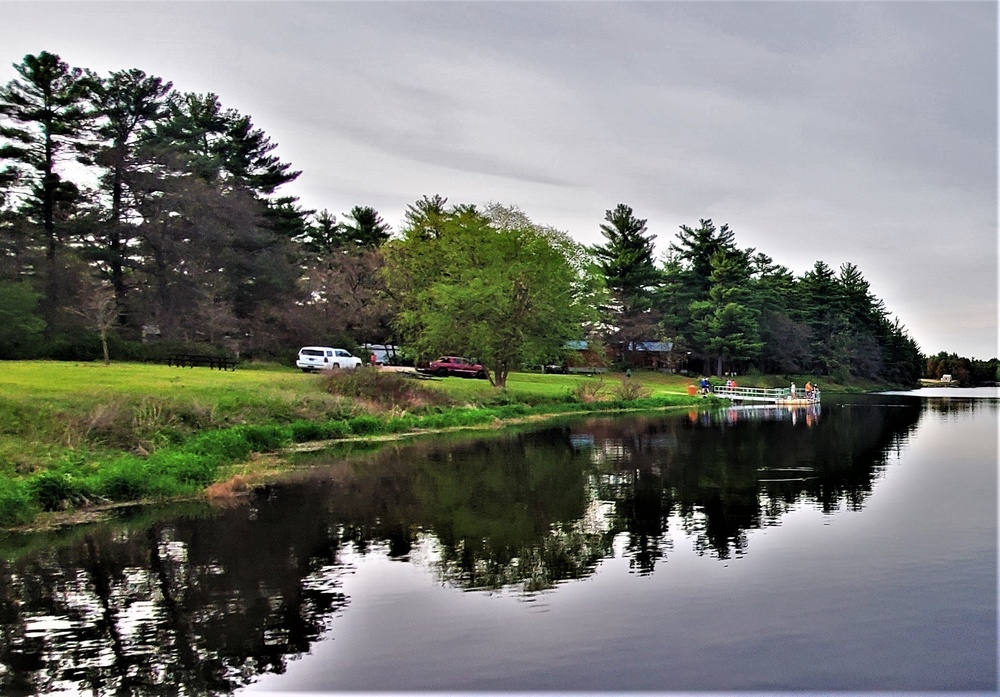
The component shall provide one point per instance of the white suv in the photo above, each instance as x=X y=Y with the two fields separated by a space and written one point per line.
x=313 y=358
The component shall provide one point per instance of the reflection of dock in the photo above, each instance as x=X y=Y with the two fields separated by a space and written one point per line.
x=775 y=395
x=807 y=414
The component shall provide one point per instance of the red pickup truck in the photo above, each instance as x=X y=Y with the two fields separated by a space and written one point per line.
x=453 y=365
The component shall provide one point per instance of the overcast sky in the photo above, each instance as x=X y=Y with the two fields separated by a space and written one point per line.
x=854 y=131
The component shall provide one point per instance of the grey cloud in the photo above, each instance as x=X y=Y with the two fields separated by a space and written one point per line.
x=855 y=131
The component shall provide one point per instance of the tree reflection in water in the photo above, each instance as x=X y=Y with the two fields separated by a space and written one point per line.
x=203 y=600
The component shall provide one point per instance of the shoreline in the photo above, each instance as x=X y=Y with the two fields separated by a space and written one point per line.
x=238 y=479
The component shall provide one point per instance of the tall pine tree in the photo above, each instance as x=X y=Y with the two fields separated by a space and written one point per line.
x=631 y=276
x=43 y=116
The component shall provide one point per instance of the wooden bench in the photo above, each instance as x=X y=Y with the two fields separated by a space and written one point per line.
x=191 y=360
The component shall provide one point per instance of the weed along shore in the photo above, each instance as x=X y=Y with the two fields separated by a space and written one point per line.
x=83 y=437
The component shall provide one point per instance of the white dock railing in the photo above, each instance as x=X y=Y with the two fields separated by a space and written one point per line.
x=764 y=394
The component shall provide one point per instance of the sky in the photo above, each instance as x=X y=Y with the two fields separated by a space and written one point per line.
x=859 y=132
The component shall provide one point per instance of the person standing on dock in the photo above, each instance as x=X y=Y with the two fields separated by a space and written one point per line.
x=809 y=389
x=793 y=391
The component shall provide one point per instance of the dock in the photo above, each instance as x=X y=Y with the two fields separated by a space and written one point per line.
x=771 y=395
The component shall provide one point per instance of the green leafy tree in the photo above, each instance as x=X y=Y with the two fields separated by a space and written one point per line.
x=502 y=297
x=589 y=289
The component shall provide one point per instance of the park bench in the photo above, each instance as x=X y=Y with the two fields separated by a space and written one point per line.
x=191 y=360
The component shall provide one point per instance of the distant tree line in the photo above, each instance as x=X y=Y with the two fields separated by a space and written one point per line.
x=140 y=216
x=728 y=309
x=967 y=372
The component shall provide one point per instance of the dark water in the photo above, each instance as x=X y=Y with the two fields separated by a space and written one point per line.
x=848 y=548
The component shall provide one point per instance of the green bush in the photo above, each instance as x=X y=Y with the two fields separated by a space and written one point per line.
x=54 y=490
x=365 y=425
x=228 y=444
x=185 y=469
x=125 y=479
x=266 y=438
x=16 y=505
x=401 y=424
x=305 y=431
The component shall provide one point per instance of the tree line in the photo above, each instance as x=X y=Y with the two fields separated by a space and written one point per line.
x=140 y=216
x=133 y=208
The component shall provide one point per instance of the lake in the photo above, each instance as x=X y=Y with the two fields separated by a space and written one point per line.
x=850 y=546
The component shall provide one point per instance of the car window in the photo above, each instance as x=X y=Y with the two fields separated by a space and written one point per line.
x=343 y=354
x=311 y=352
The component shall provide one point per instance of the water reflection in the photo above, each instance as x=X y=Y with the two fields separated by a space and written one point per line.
x=199 y=603
x=205 y=599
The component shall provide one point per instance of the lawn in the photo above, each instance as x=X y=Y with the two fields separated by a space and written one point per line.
x=50 y=408
x=531 y=387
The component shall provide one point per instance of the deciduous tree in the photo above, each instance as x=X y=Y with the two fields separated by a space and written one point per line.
x=501 y=296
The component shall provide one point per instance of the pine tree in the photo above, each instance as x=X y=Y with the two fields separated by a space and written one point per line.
x=363 y=227
x=631 y=277
x=696 y=248
x=128 y=104
x=726 y=325
x=44 y=114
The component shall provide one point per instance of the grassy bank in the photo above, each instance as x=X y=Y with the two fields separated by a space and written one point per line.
x=74 y=435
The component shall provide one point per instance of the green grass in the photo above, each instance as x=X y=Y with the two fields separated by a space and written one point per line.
x=535 y=387
x=73 y=434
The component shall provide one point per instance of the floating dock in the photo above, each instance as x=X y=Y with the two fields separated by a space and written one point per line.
x=775 y=395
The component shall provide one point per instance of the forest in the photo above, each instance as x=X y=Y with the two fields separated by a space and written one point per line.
x=138 y=219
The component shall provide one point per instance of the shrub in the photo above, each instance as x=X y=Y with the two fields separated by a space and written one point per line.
x=336 y=429
x=387 y=389
x=16 y=505
x=54 y=490
x=265 y=439
x=365 y=425
x=224 y=445
x=305 y=431
x=588 y=391
x=125 y=479
x=629 y=390
x=184 y=469
x=400 y=424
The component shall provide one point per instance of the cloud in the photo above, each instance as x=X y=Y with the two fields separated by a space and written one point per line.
x=863 y=132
